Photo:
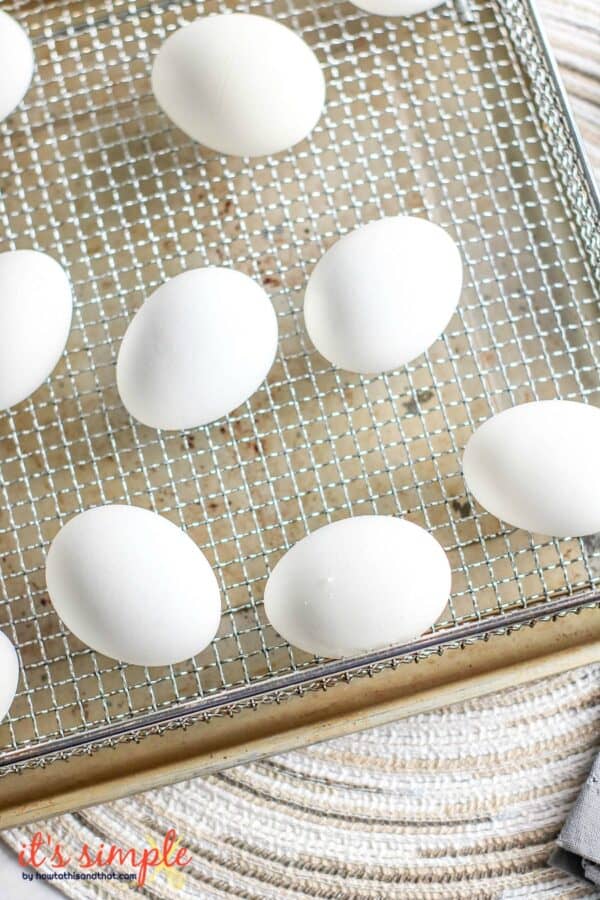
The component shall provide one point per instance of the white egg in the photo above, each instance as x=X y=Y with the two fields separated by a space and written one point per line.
x=130 y=584
x=396 y=7
x=36 y=307
x=382 y=294
x=199 y=347
x=535 y=466
x=16 y=54
x=9 y=674
x=359 y=584
x=240 y=84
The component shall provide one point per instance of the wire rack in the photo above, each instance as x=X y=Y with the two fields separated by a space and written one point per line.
x=454 y=115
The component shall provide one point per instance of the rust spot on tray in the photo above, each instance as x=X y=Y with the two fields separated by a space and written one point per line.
x=463 y=509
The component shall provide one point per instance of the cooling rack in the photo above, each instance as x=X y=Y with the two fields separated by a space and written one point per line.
x=456 y=115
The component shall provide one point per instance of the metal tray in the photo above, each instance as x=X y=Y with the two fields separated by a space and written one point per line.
x=457 y=115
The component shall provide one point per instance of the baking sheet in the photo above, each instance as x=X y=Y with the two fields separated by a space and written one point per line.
x=456 y=120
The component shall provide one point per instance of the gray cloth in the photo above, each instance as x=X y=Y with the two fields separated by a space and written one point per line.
x=592 y=872
x=579 y=842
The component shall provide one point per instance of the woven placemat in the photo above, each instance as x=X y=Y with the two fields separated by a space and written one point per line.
x=464 y=802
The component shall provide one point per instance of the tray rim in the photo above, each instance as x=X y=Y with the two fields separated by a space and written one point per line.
x=237 y=701
x=592 y=185
x=113 y=772
x=279 y=688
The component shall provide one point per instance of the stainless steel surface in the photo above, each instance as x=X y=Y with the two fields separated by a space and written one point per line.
x=458 y=120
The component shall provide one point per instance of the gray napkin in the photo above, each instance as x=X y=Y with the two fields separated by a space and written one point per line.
x=578 y=849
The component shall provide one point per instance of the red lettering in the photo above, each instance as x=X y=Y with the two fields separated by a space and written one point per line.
x=85 y=857
x=59 y=860
x=183 y=858
x=150 y=859
x=24 y=855
x=38 y=858
x=168 y=856
x=169 y=841
x=120 y=856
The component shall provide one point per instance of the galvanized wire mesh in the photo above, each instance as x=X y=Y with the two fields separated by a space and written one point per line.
x=435 y=115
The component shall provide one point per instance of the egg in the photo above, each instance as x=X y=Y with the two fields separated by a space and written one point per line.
x=396 y=7
x=199 y=347
x=16 y=54
x=535 y=466
x=241 y=84
x=9 y=674
x=36 y=307
x=357 y=585
x=133 y=586
x=382 y=294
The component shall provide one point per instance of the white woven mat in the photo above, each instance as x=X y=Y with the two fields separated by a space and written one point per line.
x=464 y=802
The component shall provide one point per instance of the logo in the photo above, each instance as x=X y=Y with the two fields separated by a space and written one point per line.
x=103 y=863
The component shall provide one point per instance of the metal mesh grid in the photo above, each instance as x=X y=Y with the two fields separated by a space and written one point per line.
x=433 y=115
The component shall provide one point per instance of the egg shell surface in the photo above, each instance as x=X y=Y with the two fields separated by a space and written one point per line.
x=200 y=346
x=9 y=674
x=535 y=466
x=17 y=58
x=396 y=7
x=358 y=585
x=36 y=308
x=133 y=586
x=240 y=84
x=383 y=293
